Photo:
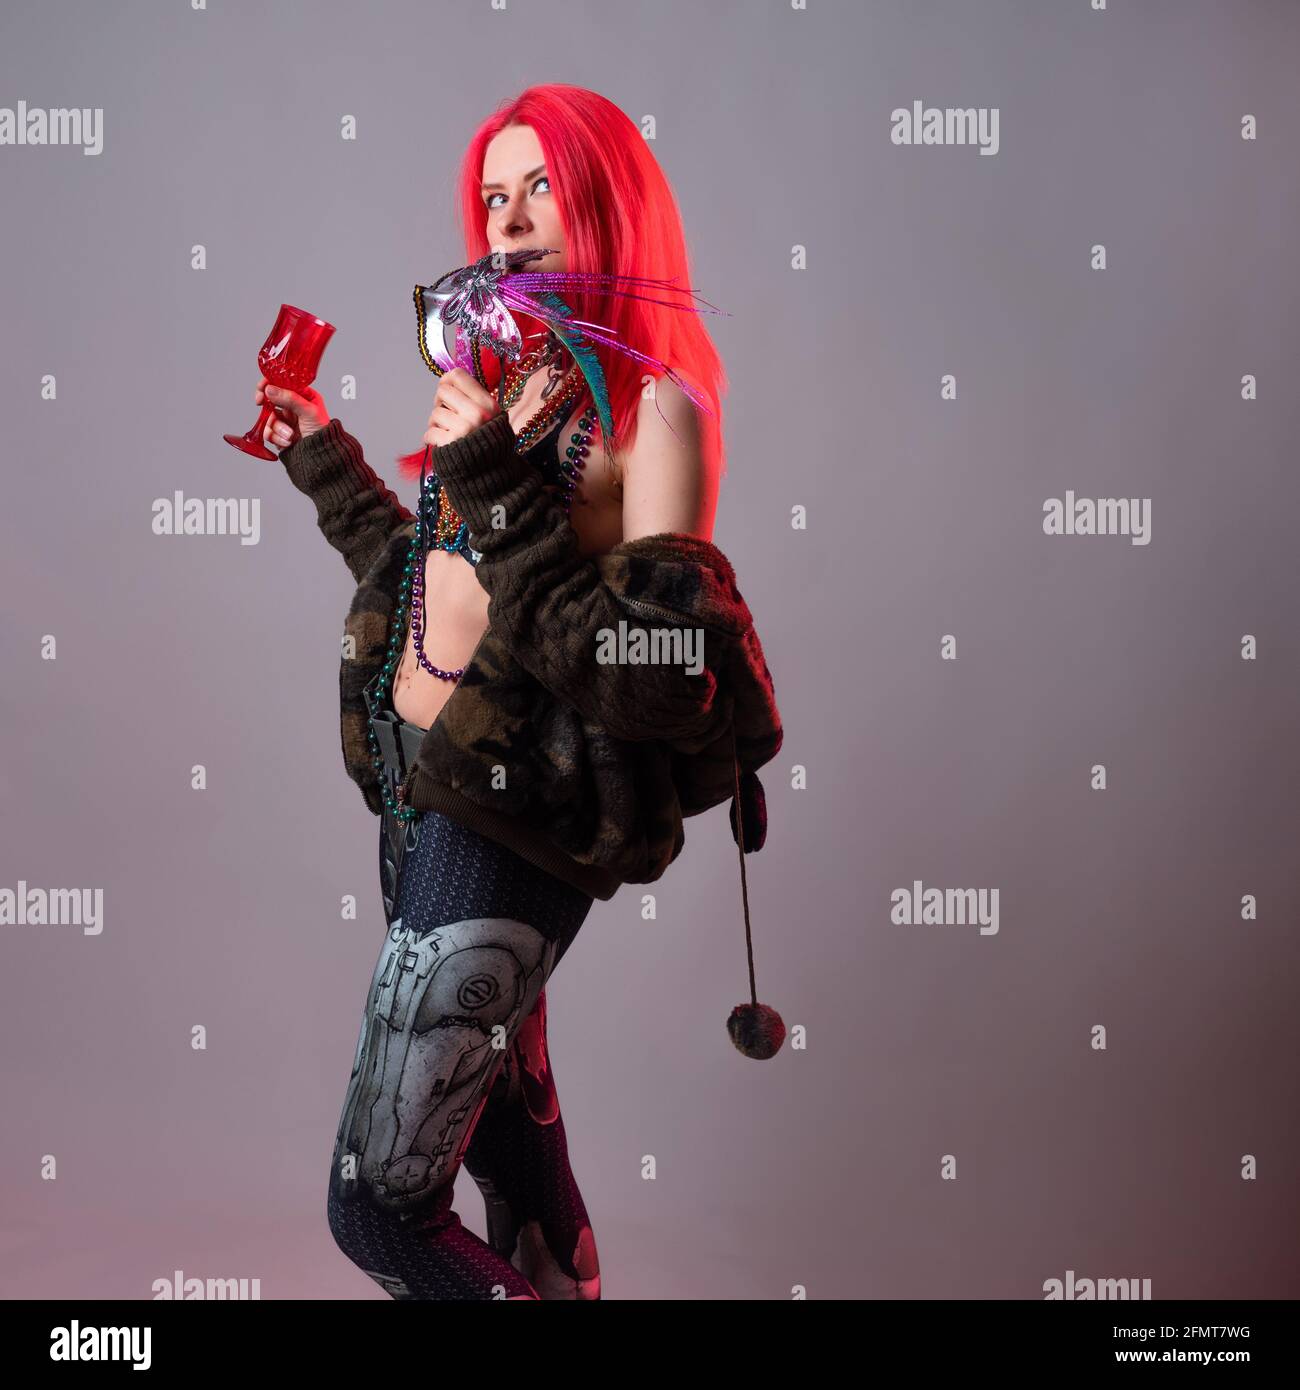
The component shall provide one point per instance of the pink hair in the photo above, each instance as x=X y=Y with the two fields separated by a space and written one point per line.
x=619 y=214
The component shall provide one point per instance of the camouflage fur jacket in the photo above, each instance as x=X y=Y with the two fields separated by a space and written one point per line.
x=585 y=766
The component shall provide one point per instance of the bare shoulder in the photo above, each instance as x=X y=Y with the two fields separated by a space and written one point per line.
x=666 y=483
x=668 y=431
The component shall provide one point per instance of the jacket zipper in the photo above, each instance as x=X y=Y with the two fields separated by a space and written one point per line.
x=682 y=619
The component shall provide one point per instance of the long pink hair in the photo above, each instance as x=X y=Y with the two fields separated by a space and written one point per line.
x=619 y=214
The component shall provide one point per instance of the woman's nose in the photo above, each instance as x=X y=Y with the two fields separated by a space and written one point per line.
x=514 y=223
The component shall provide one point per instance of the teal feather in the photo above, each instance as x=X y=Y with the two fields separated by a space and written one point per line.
x=588 y=363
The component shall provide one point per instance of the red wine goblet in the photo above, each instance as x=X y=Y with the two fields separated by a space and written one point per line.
x=290 y=357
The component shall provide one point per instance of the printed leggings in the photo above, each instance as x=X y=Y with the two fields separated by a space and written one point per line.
x=451 y=1065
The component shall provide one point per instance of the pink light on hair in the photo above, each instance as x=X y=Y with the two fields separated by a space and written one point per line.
x=619 y=215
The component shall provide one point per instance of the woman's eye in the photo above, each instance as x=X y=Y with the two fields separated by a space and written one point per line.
x=489 y=204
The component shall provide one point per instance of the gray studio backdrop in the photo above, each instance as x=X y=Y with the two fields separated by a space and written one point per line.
x=954 y=682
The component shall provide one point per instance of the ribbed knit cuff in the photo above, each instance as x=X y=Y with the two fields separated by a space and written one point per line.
x=481 y=469
x=328 y=465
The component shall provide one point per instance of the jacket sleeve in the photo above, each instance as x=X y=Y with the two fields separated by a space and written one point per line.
x=550 y=604
x=354 y=510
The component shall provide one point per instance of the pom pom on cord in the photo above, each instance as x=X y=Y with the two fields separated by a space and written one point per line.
x=755 y=1029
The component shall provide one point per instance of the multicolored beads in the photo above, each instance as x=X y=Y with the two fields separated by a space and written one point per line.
x=450 y=533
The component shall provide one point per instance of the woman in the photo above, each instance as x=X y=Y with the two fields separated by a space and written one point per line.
x=552 y=776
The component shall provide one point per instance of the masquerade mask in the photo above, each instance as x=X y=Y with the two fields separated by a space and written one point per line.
x=472 y=308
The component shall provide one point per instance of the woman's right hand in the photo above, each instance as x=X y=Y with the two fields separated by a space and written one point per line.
x=460 y=405
x=295 y=417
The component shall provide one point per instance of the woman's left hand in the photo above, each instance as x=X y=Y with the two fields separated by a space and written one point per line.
x=460 y=407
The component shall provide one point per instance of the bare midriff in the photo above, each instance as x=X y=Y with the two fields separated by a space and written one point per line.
x=456 y=603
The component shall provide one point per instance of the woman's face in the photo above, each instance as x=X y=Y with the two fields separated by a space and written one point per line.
x=519 y=205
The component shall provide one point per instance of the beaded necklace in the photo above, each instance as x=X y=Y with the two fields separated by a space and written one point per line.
x=436 y=518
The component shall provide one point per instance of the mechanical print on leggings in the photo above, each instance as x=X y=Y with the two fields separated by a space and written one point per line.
x=477 y=932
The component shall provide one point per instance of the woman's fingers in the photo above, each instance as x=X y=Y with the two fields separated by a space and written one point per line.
x=293 y=416
x=281 y=429
x=442 y=425
x=464 y=384
x=461 y=406
x=451 y=416
x=472 y=399
x=289 y=402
